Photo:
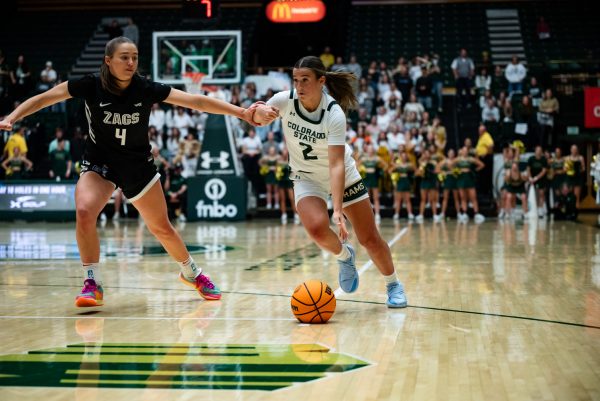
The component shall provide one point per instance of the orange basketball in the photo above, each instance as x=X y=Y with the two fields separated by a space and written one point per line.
x=313 y=302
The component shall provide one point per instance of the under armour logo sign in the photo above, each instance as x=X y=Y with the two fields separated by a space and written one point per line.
x=223 y=160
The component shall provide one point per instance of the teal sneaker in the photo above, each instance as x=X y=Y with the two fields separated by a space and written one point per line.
x=348 y=276
x=396 y=296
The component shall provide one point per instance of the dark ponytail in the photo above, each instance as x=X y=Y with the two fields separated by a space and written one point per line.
x=339 y=83
x=109 y=81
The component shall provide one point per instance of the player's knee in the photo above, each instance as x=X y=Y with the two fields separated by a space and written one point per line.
x=86 y=214
x=371 y=240
x=316 y=230
x=163 y=229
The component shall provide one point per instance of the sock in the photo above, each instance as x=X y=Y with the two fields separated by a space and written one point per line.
x=344 y=254
x=391 y=279
x=189 y=268
x=91 y=271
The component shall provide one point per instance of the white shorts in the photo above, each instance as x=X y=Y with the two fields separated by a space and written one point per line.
x=355 y=191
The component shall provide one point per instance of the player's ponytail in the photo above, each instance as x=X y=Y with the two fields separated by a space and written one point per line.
x=109 y=81
x=339 y=83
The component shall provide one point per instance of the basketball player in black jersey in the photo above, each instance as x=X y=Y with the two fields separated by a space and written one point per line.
x=117 y=107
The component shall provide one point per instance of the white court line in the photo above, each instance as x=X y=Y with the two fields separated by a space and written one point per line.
x=149 y=318
x=366 y=266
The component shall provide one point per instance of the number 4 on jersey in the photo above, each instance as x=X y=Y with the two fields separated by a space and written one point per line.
x=306 y=151
x=121 y=134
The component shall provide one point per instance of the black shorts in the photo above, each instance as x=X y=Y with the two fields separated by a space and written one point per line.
x=134 y=178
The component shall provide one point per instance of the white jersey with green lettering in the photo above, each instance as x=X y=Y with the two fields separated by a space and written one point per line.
x=309 y=134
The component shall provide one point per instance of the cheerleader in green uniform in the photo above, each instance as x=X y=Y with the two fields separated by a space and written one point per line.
x=448 y=173
x=515 y=187
x=286 y=186
x=575 y=169
x=268 y=167
x=537 y=167
x=557 y=172
x=16 y=165
x=402 y=171
x=466 y=184
x=429 y=190
x=508 y=154
x=370 y=166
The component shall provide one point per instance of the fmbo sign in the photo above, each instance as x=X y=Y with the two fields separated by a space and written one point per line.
x=211 y=198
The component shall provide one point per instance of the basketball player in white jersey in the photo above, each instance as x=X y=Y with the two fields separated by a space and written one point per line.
x=118 y=102
x=314 y=125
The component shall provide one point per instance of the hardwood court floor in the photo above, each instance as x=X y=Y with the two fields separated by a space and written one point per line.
x=498 y=311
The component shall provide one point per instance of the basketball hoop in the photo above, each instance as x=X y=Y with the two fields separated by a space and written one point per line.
x=193 y=82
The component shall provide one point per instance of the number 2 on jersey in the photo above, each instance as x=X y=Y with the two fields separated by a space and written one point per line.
x=306 y=151
x=121 y=134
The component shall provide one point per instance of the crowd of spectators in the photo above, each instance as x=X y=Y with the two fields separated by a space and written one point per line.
x=398 y=124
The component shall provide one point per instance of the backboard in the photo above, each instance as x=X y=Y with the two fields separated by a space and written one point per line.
x=214 y=53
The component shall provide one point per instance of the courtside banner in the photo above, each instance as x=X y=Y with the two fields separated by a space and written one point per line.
x=592 y=107
x=282 y=11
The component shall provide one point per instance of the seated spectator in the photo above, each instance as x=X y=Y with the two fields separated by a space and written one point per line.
x=327 y=58
x=270 y=141
x=339 y=64
x=183 y=121
x=383 y=120
x=158 y=118
x=499 y=82
x=21 y=79
x=48 y=77
x=423 y=88
x=366 y=96
x=403 y=83
x=60 y=162
x=113 y=30
x=515 y=73
x=542 y=29
x=384 y=87
x=373 y=128
x=413 y=106
x=131 y=31
x=176 y=192
x=411 y=122
x=525 y=111
x=173 y=143
x=59 y=135
x=16 y=140
x=350 y=133
x=415 y=71
x=565 y=204
x=487 y=95
x=490 y=112
x=535 y=92
x=392 y=93
x=16 y=165
x=483 y=83
x=268 y=169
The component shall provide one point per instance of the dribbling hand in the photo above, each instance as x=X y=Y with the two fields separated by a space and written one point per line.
x=339 y=220
x=6 y=125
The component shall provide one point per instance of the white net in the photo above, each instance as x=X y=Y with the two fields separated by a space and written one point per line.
x=193 y=82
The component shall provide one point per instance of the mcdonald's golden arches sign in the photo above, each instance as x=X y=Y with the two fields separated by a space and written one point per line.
x=295 y=11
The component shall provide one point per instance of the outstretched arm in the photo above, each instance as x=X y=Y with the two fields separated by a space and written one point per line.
x=55 y=95
x=211 y=105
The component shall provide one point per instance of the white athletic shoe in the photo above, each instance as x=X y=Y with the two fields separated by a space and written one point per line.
x=479 y=218
x=284 y=218
x=396 y=217
x=269 y=206
x=377 y=218
x=296 y=218
x=419 y=219
x=411 y=216
x=502 y=214
x=116 y=216
x=437 y=218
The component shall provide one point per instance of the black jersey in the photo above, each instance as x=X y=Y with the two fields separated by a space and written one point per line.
x=118 y=124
